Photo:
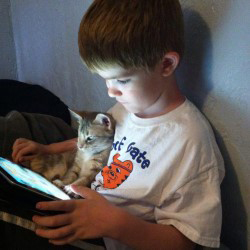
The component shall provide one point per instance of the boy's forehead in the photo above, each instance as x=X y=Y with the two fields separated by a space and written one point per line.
x=115 y=72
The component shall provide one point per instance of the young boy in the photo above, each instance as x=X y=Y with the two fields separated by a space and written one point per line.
x=161 y=186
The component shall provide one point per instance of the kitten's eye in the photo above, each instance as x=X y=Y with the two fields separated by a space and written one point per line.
x=118 y=170
x=89 y=138
x=123 y=81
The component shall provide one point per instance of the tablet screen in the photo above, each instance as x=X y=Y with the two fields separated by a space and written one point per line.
x=31 y=179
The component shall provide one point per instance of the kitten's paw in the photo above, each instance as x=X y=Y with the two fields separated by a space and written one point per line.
x=68 y=189
x=58 y=183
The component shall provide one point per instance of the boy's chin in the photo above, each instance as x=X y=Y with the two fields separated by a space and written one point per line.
x=133 y=110
x=130 y=108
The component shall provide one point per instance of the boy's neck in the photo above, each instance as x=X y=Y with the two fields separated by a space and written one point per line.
x=169 y=100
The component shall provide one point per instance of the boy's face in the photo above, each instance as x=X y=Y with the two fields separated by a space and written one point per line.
x=138 y=91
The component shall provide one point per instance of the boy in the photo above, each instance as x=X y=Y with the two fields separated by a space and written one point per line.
x=161 y=186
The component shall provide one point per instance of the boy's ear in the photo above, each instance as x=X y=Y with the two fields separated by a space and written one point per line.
x=170 y=62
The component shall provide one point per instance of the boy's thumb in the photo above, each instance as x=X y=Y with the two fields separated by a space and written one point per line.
x=82 y=191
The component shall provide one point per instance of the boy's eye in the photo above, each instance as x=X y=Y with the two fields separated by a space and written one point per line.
x=123 y=81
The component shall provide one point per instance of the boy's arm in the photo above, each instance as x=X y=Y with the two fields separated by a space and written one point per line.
x=61 y=147
x=140 y=234
x=25 y=150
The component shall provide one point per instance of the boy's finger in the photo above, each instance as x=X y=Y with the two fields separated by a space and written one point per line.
x=52 y=221
x=17 y=149
x=19 y=140
x=55 y=233
x=66 y=240
x=66 y=206
x=27 y=158
x=22 y=152
x=83 y=191
x=13 y=155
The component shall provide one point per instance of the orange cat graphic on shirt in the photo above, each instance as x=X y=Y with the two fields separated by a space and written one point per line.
x=115 y=174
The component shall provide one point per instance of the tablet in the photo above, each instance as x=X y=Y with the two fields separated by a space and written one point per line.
x=21 y=185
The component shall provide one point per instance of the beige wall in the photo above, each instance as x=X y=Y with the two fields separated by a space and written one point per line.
x=215 y=74
x=7 y=49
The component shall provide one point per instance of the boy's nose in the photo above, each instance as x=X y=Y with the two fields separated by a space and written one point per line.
x=114 y=92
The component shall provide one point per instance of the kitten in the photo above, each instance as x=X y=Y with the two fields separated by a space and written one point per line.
x=81 y=165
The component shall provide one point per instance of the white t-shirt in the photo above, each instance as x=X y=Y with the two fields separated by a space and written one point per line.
x=166 y=170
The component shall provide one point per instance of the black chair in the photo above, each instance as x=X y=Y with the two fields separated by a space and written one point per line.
x=31 y=98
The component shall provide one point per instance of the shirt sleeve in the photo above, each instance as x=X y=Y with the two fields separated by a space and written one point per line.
x=195 y=209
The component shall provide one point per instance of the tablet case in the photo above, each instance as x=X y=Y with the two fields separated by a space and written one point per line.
x=13 y=193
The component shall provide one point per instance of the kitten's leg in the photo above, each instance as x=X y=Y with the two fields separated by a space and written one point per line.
x=69 y=177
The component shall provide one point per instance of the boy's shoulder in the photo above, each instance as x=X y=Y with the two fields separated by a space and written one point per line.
x=186 y=120
x=191 y=122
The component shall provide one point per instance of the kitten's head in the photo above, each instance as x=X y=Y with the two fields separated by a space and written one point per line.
x=97 y=135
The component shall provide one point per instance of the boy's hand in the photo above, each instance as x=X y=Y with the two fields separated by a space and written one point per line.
x=94 y=217
x=87 y=218
x=25 y=150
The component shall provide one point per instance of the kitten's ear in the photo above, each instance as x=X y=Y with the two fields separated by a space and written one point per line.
x=104 y=120
x=75 y=119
